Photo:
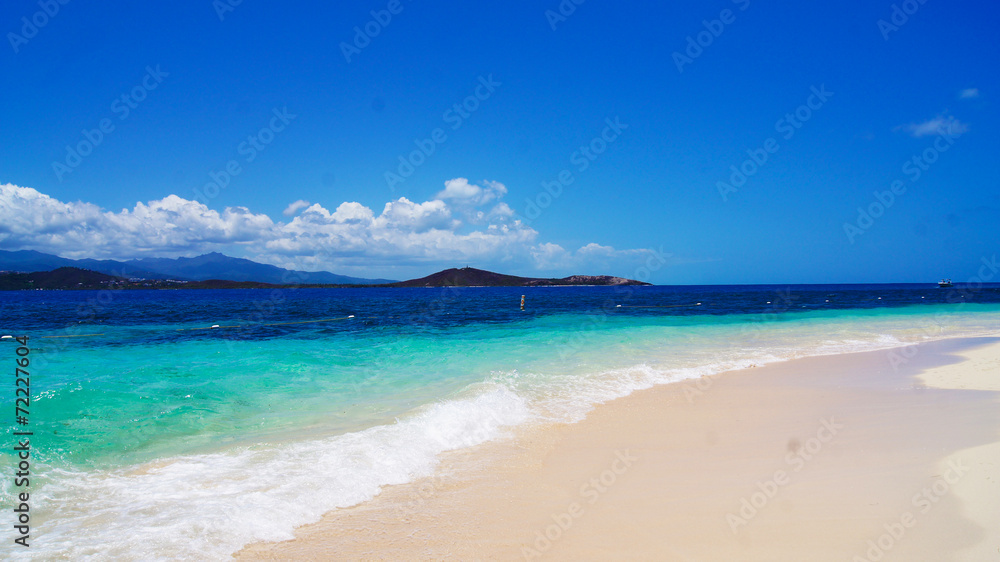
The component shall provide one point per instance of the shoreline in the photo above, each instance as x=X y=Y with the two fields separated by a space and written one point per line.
x=804 y=459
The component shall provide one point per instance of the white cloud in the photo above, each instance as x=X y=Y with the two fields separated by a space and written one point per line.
x=936 y=126
x=404 y=233
x=969 y=93
x=462 y=192
x=601 y=259
x=169 y=226
x=405 y=215
x=293 y=208
x=550 y=256
x=468 y=200
x=594 y=249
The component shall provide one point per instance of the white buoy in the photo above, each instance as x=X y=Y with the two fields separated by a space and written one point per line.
x=215 y=325
x=351 y=316
x=6 y=337
x=616 y=306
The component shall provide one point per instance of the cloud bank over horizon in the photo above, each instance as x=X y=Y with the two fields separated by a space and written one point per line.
x=464 y=223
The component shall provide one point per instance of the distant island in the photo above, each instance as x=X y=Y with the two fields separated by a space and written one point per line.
x=75 y=278
x=471 y=277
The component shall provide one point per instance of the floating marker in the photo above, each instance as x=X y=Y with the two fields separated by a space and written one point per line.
x=351 y=316
x=6 y=337
x=215 y=325
x=616 y=306
x=522 y=302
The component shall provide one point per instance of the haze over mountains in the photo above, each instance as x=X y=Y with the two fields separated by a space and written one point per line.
x=208 y=266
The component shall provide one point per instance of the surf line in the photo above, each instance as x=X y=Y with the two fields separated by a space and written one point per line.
x=2 y=338
x=212 y=327
x=216 y=326
x=658 y=306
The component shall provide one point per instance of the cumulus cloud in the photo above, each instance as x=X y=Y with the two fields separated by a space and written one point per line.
x=550 y=256
x=936 y=126
x=168 y=226
x=461 y=191
x=969 y=93
x=469 y=201
x=553 y=256
x=405 y=215
x=293 y=208
x=404 y=232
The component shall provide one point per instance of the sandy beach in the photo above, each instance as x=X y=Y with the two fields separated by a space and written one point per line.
x=887 y=455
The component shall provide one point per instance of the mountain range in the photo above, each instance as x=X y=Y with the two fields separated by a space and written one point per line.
x=216 y=267
x=208 y=266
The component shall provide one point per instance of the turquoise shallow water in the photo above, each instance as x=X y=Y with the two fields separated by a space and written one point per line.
x=155 y=440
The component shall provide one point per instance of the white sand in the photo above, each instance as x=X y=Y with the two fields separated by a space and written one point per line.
x=805 y=460
x=979 y=491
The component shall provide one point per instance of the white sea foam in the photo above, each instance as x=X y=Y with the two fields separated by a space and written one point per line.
x=209 y=506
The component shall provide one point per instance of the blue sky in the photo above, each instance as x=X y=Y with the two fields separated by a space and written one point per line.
x=652 y=198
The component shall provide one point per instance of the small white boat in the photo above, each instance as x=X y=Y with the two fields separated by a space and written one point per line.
x=945 y=283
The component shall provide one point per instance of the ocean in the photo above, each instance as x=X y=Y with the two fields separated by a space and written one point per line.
x=158 y=436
